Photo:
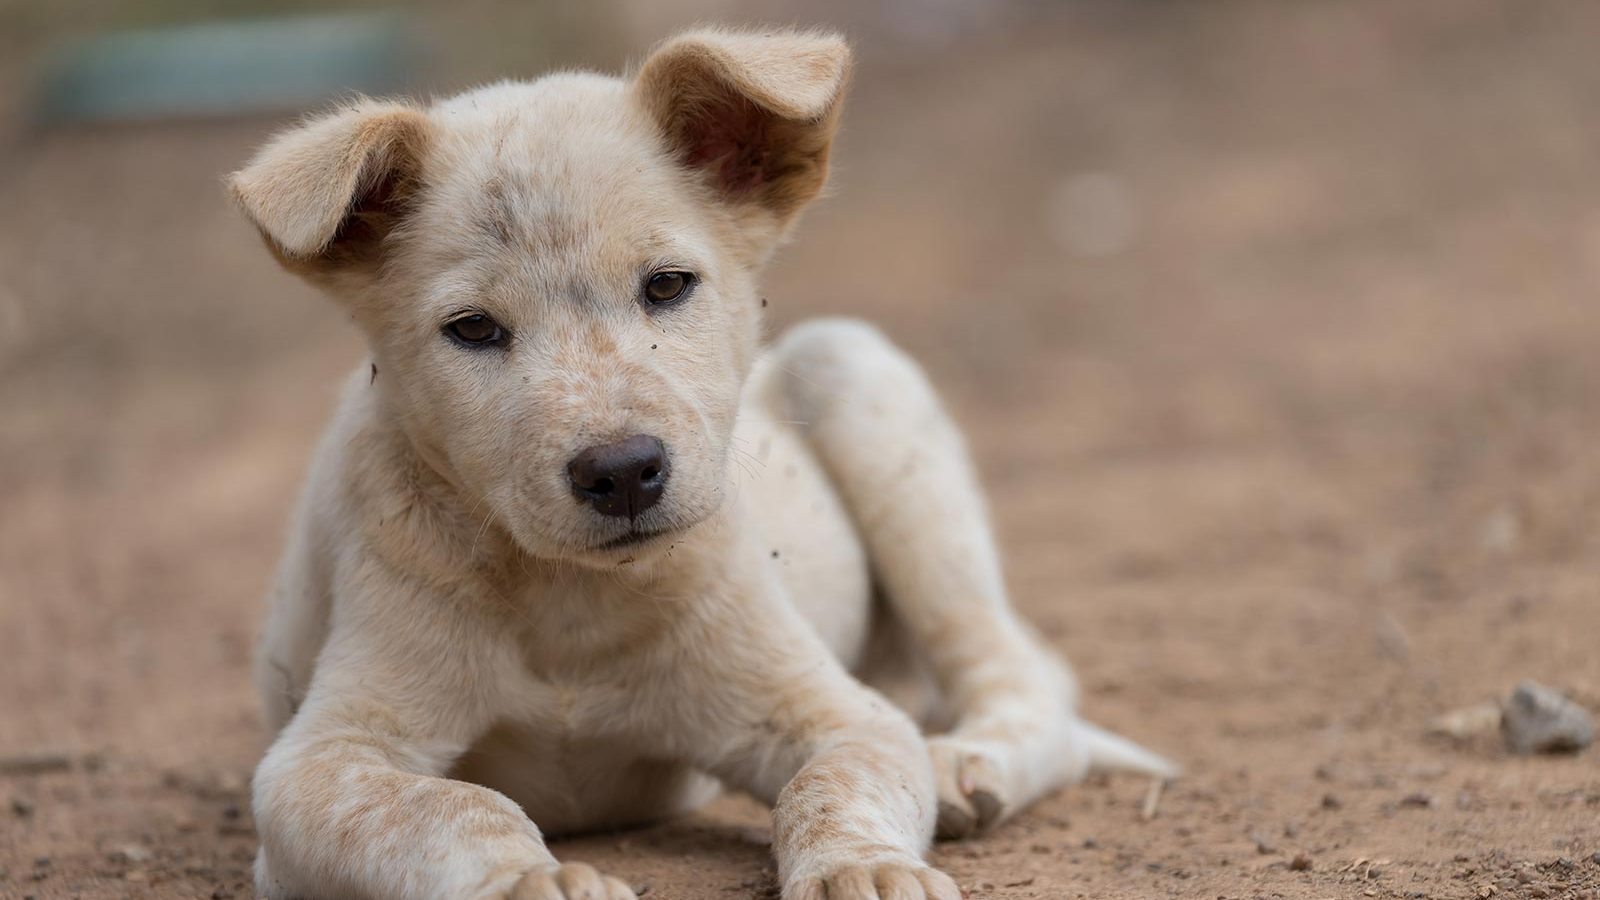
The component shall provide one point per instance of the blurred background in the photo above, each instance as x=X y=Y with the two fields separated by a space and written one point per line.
x=1272 y=324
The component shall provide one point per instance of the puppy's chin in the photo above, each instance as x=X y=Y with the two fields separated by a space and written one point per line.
x=635 y=548
x=638 y=546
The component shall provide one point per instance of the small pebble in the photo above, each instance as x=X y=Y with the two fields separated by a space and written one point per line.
x=21 y=807
x=1329 y=801
x=1300 y=863
x=1540 y=720
x=1417 y=800
x=133 y=853
x=35 y=764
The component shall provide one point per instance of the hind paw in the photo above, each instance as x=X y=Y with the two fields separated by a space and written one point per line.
x=971 y=778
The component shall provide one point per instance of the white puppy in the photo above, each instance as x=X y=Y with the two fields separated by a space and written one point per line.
x=575 y=548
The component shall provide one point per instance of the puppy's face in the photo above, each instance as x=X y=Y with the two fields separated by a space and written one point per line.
x=558 y=278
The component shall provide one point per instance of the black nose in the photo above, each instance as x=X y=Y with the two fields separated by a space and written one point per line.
x=621 y=479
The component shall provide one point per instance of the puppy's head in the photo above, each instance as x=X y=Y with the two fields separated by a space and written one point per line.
x=557 y=278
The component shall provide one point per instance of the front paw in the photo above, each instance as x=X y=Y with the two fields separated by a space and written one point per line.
x=573 y=881
x=879 y=881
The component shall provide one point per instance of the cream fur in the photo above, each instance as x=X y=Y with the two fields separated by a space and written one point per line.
x=451 y=656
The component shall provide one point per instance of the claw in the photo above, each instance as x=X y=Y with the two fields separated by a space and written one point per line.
x=989 y=808
x=954 y=822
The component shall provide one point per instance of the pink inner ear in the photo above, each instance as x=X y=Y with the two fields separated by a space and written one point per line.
x=730 y=141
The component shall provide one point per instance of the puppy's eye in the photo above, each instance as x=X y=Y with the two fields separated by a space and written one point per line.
x=476 y=330
x=667 y=287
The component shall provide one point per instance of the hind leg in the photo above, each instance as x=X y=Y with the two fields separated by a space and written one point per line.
x=902 y=467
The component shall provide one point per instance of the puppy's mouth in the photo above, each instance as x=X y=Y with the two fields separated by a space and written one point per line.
x=634 y=537
x=641 y=537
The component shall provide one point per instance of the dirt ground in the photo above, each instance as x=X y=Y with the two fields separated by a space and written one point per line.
x=1274 y=329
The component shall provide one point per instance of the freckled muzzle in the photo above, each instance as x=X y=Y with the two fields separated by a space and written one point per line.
x=624 y=478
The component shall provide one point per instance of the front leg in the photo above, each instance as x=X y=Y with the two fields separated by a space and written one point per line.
x=772 y=712
x=346 y=810
x=856 y=818
x=351 y=800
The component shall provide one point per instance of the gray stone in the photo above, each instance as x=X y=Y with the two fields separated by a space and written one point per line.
x=1539 y=720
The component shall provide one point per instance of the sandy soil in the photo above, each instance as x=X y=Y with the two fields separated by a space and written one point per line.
x=1274 y=329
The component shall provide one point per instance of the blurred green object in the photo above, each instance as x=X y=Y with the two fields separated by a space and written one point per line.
x=224 y=68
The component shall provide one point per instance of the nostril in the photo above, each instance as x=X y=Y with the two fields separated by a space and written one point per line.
x=649 y=473
x=602 y=486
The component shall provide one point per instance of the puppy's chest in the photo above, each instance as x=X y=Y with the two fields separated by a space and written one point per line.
x=564 y=709
x=567 y=746
x=586 y=665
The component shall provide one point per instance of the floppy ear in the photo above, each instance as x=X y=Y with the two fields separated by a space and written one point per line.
x=754 y=113
x=326 y=193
